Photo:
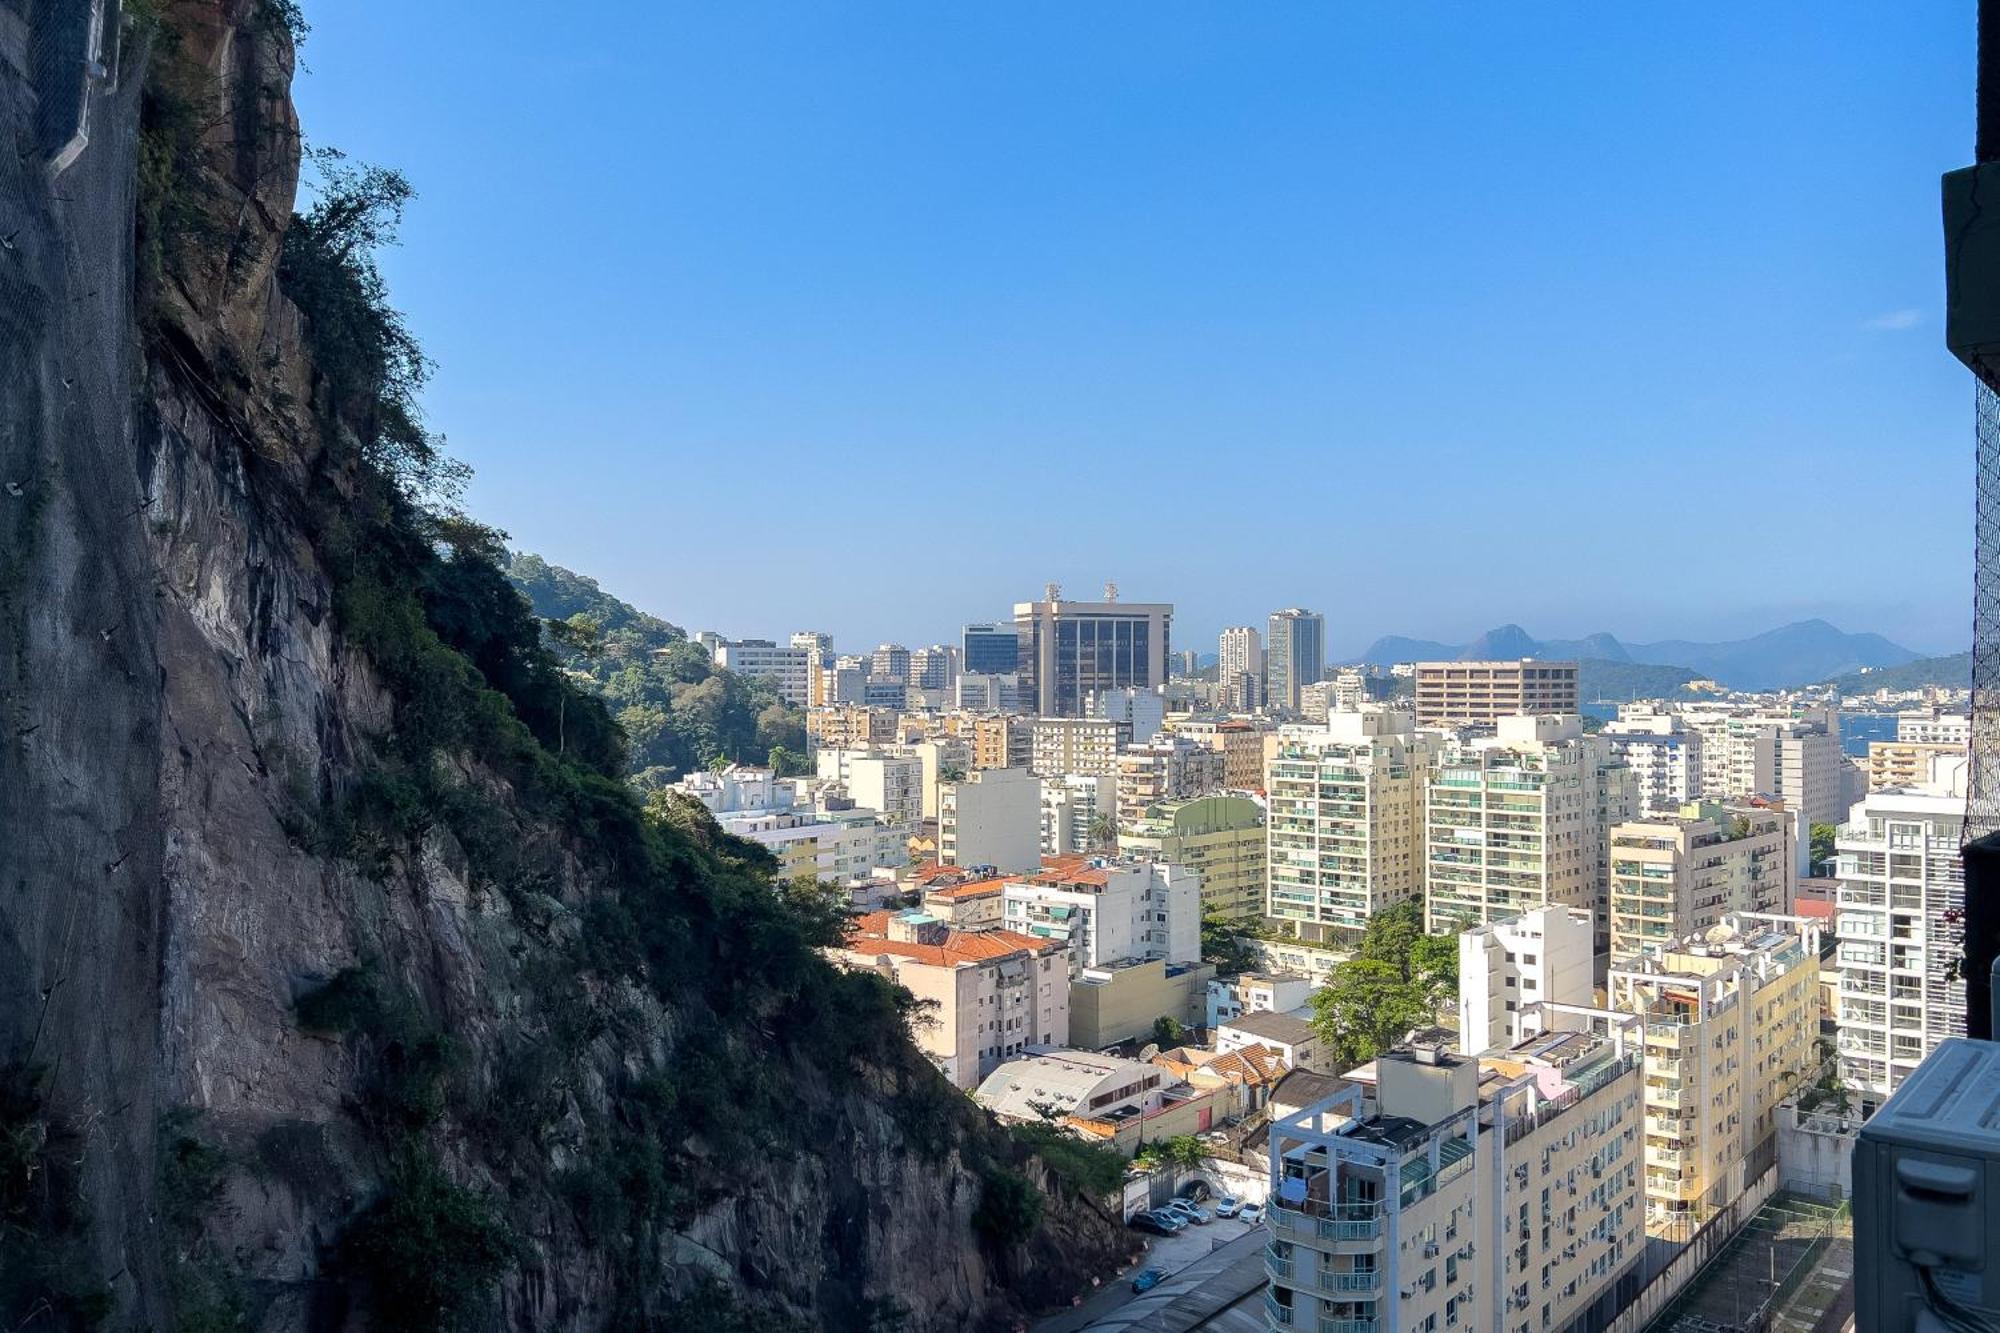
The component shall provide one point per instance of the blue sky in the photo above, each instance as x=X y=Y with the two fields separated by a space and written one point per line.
x=875 y=317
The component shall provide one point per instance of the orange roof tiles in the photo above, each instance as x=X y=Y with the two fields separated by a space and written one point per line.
x=976 y=888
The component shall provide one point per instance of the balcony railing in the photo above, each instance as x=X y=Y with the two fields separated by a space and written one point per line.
x=1330 y=1221
x=1280 y=1315
x=1279 y=1266
x=1347 y=1326
x=1364 y=1283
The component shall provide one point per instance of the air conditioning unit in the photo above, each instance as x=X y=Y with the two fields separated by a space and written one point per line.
x=1431 y=1250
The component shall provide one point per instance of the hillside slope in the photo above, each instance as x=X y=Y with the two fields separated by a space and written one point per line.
x=343 y=981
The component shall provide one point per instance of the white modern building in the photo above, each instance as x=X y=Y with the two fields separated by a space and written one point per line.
x=1071 y=805
x=1541 y=957
x=991 y=817
x=1664 y=756
x=789 y=669
x=892 y=784
x=1080 y=745
x=1344 y=833
x=1256 y=992
x=1900 y=931
x=1142 y=711
x=1242 y=654
x=1109 y=910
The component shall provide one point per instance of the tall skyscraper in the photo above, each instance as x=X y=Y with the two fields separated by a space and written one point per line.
x=1295 y=656
x=891 y=662
x=990 y=650
x=1242 y=654
x=1070 y=649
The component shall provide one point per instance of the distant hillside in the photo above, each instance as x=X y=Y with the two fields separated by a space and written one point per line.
x=1798 y=654
x=1953 y=672
x=1616 y=682
x=557 y=594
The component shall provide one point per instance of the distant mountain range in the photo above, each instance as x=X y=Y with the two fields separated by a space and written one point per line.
x=1953 y=672
x=1800 y=654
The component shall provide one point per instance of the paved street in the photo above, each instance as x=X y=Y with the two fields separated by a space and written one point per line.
x=1172 y=1253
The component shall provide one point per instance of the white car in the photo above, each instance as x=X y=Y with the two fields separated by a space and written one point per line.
x=1228 y=1206
x=1253 y=1213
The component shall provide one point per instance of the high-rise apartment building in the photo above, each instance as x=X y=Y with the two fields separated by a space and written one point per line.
x=1239 y=741
x=817 y=643
x=789 y=669
x=1166 y=768
x=1899 y=924
x=989 y=694
x=1906 y=763
x=1544 y=957
x=989 y=650
x=1242 y=654
x=891 y=784
x=1068 y=650
x=1730 y=1015
x=1220 y=838
x=1083 y=745
x=934 y=668
x=1294 y=656
x=1497 y=1194
x=1675 y=875
x=1144 y=711
x=991 y=817
x=1456 y=693
x=1345 y=828
x=1664 y=756
x=891 y=661
x=1071 y=804
x=1513 y=822
x=850 y=726
x=1002 y=742
x=1954 y=729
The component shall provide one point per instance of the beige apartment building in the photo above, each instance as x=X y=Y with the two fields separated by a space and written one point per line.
x=1731 y=1016
x=997 y=992
x=1497 y=1193
x=1240 y=742
x=1344 y=833
x=1004 y=741
x=1456 y=693
x=1674 y=875
x=1166 y=768
x=1906 y=763
x=850 y=726
x=1220 y=838
x=1078 y=746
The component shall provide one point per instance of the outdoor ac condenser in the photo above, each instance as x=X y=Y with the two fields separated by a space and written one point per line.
x=1927 y=1198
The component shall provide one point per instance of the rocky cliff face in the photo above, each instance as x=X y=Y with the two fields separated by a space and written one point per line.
x=181 y=704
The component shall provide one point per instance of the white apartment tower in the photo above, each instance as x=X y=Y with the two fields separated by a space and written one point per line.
x=1673 y=875
x=1542 y=957
x=1899 y=903
x=1294 y=657
x=1514 y=822
x=1242 y=654
x=1344 y=835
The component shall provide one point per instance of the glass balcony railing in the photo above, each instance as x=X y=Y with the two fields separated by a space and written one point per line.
x=1360 y=1283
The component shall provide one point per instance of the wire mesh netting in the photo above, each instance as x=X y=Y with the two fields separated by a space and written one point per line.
x=1982 y=810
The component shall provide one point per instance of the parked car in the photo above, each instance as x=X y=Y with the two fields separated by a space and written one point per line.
x=1253 y=1213
x=1148 y=1278
x=1196 y=1189
x=1152 y=1225
x=1193 y=1212
x=1229 y=1206
x=1171 y=1219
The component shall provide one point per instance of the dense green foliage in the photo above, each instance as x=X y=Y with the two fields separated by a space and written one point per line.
x=1598 y=680
x=206 y=1296
x=428 y=1249
x=1009 y=1208
x=1085 y=1166
x=1182 y=1150
x=1823 y=836
x=1394 y=983
x=678 y=709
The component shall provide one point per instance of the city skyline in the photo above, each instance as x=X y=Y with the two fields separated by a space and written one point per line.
x=1152 y=264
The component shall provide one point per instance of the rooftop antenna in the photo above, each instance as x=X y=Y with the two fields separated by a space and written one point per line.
x=1110 y=591
x=1052 y=592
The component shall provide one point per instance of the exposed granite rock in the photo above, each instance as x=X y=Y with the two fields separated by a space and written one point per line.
x=176 y=700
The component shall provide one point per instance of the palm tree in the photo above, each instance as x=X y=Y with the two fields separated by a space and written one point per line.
x=1103 y=832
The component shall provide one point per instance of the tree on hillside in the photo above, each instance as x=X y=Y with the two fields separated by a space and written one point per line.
x=1365 y=1008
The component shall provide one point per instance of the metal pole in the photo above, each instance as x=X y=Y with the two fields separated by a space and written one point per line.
x=1986 y=143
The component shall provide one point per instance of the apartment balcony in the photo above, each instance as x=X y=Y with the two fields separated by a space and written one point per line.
x=1280 y=1267
x=1347 y=1326
x=1279 y=1315
x=1345 y=1223
x=1352 y=1284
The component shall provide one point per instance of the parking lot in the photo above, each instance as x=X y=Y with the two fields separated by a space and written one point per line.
x=1168 y=1253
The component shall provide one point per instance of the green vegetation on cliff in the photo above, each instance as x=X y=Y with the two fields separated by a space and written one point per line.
x=678 y=710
